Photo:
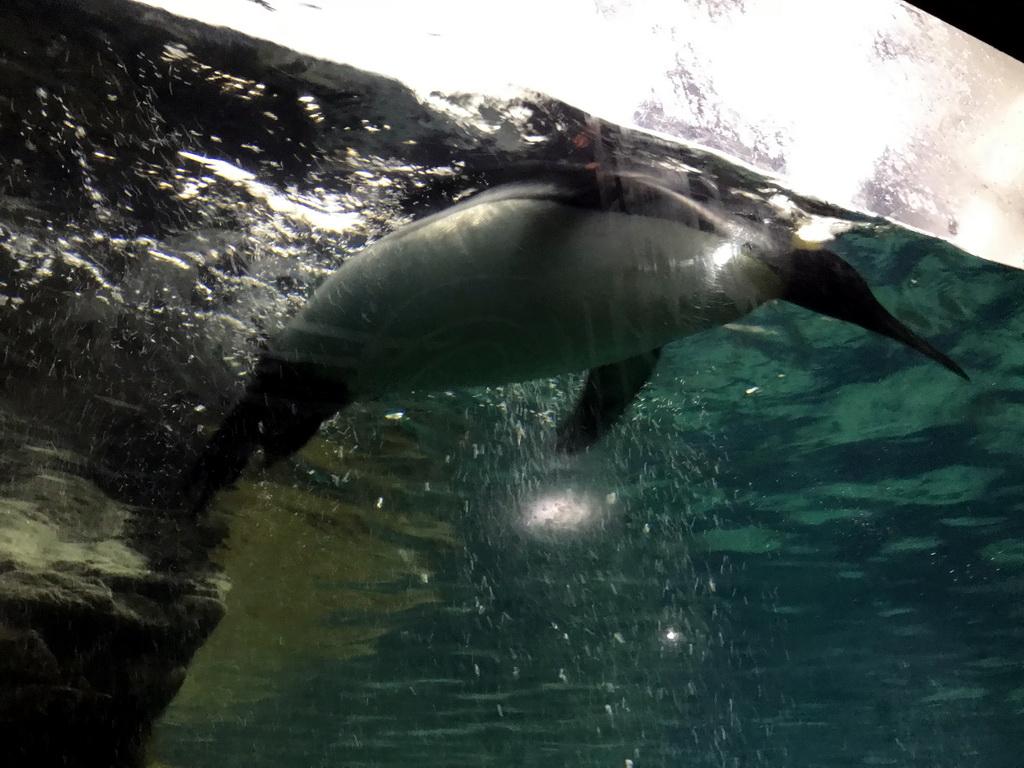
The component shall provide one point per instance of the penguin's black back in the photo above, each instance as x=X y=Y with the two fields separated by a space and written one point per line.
x=601 y=191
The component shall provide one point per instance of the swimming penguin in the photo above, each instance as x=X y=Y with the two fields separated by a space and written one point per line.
x=587 y=272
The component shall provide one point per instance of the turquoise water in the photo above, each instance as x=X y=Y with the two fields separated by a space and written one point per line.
x=805 y=548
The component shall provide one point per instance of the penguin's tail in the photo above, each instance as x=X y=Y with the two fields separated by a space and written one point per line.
x=282 y=408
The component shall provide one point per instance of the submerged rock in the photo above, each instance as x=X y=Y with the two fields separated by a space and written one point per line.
x=94 y=641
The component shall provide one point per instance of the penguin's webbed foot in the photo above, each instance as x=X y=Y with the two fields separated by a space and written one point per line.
x=280 y=411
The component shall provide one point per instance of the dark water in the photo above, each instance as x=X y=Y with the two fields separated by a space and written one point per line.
x=805 y=547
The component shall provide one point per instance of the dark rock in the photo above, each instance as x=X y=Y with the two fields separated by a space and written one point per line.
x=94 y=641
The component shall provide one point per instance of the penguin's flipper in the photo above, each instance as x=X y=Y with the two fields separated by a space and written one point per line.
x=282 y=408
x=607 y=392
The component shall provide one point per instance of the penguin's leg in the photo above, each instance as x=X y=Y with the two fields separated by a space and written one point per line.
x=607 y=392
x=282 y=408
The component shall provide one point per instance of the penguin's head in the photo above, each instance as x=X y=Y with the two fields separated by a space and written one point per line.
x=821 y=281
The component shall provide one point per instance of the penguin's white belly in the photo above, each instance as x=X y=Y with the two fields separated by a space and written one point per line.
x=515 y=290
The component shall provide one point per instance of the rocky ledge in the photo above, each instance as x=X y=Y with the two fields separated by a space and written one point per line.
x=94 y=642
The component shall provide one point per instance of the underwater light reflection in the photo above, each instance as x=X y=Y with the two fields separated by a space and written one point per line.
x=563 y=511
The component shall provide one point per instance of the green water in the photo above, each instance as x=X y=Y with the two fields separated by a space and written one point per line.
x=805 y=548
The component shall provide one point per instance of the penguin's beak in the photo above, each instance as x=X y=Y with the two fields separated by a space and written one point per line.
x=821 y=281
x=880 y=321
